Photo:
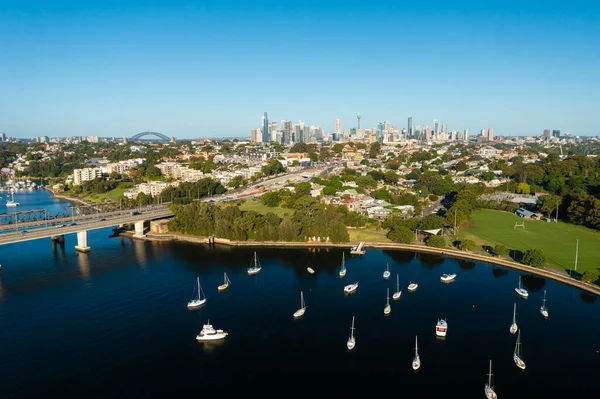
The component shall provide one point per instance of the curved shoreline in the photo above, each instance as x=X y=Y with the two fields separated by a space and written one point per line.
x=67 y=198
x=591 y=288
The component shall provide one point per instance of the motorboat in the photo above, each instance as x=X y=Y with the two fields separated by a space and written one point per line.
x=521 y=291
x=350 y=288
x=310 y=270
x=209 y=333
x=413 y=287
x=446 y=278
x=386 y=273
x=441 y=328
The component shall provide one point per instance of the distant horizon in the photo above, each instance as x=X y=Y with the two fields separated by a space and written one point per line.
x=193 y=69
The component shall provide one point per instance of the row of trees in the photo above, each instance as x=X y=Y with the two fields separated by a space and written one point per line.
x=309 y=218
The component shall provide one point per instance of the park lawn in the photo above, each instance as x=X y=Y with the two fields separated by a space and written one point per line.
x=97 y=197
x=358 y=235
x=251 y=205
x=117 y=193
x=556 y=240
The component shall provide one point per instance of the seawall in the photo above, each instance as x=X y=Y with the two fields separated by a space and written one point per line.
x=565 y=279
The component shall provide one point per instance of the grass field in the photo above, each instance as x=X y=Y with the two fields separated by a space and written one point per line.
x=367 y=235
x=251 y=205
x=556 y=240
x=117 y=193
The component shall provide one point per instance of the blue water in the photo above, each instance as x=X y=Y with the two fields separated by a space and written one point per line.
x=114 y=323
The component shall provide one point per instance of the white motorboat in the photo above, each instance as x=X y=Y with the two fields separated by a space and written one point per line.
x=310 y=270
x=521 y=291
x=413 y=287
x=388 y=309
x=351 y=343
x=446 y=278
x=386 y=273
x=256 y=267
x=416 y=363
x=343 y=269
x=225 y=284
x=209 y=333
x=398 y=292
x=517 y=355
x=544 y=308
x=489 y=389
x=300 y=312
x=441 y=328
x=513 y=326
x=350 y=288
x=201 y=300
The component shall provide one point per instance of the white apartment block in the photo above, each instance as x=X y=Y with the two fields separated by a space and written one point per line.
x=153 y=189
x=86 y=174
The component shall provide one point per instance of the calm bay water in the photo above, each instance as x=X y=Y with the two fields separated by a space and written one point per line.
x=114 y=323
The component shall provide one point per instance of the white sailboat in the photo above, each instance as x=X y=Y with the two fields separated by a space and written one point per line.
x=447 y=278
x=416 y=363
x=386 y=273
x=489 y=389
x=343 y=269
x=544 y=308
x=310 y=270
x=12 y=202
x=513 y=326
x=351 y=341
x=398 y=292
x=209 y=333
x=225 y=284
x=201 y=300
x=388 y=309
x=517 y=355
x=521 y=291
x=300 y=312
x=413 y=287
x=256 y=267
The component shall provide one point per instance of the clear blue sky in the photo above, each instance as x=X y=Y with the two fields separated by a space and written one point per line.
x=210 y=68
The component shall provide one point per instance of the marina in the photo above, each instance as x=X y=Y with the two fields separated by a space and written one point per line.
x=126 y=296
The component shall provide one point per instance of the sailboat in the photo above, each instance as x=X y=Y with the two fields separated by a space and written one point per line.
x=416 y=363
x=300 y=312
x=225 y=284
x=521 y=291
x=343 y=269
x=386 y=273
x=351 y=342
x=517 y=355
x=413 y=286
x=398 y=292
x=387 y=310
x=12 y=203
x=256 y=267
x=543 y=308
x=489 y=389
x=513 y=326
x=194 y=303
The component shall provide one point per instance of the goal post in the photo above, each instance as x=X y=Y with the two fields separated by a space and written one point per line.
x=517 y=224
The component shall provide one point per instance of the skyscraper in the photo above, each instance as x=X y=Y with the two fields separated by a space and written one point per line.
x=546 y=133
x=466 y=136
x=265 y=129
x=491 y=134
x=358 y=117
x=410 y=127
x=338 y=126
x=444 y=131
x=436 y=129
x=556 y=133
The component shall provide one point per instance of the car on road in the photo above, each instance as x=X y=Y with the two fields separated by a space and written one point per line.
x=58 y=226
x=23 y=232
x=102 y=219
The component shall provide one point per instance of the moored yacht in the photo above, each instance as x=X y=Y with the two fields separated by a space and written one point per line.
x=441 y=328
x=413 y=287
x=209 y=333
x=446 y=278
x=350 y=288
x=386 y=273
x=521 y=291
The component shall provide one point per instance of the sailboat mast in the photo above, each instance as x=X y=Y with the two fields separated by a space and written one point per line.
x=198 y=282
x=490 y=375
x=515 y=313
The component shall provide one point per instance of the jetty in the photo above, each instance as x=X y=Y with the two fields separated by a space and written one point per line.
x=359 y=249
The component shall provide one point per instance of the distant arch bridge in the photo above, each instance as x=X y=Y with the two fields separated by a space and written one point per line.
x=161 y=136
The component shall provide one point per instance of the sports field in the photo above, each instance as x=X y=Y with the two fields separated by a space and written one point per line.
x=557 y=240
x=251 y=205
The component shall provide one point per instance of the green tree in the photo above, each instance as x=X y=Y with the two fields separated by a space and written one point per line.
x=401 y=234
x=534 y=257
x=461 y=166
x=467 y=245
x=273 y=167
x=523 y=188
x=436 y=242
x=288 y=229
x=271 y=199
x=431 y=222
x=549 y=203
x=500 y=250
x=590 y=275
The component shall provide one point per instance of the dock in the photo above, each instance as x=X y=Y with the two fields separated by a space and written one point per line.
x=358 y=250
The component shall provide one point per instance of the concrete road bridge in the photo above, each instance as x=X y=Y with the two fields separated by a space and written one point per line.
x=35 y=224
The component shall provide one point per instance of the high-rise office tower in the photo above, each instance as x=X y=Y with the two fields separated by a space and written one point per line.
x=436 y=129
x=338 y=126
x=466 y=136
x=286 y=127
x=546 y=133
x=556 y=133
x=444 y=131
x=483 y=133
x=358 y=117
x=491 y=134
x=265 y=129
x=410 y=127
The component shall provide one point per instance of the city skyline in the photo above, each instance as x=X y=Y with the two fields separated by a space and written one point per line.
x=209 y=70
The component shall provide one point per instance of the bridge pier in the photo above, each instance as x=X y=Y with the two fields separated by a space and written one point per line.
x=82 y=242
x=60 y=238
x=139 y=229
